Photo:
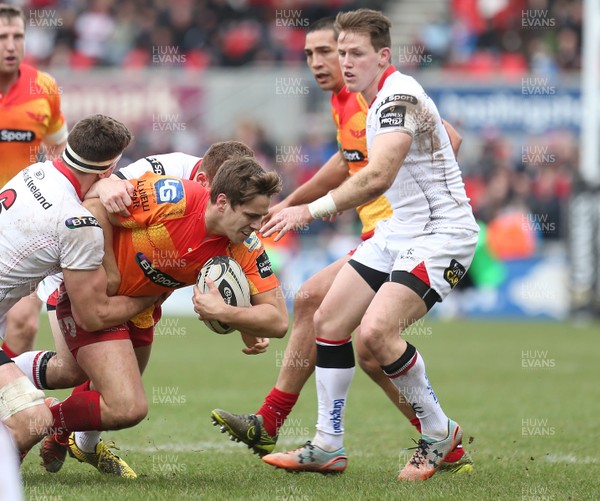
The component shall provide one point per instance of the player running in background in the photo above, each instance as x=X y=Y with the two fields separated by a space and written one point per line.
x=193 y=225
x=31 y=115
x=260 y=430
x=412 y=261
x=46 y=229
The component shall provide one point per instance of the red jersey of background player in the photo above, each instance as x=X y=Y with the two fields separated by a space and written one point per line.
x=29 y=114
x=349 y=111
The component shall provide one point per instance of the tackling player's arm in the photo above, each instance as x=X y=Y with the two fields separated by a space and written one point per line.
x=109 y=262
x=114 y=194
x=329 y=176
x=267 y=317
x=92 y=308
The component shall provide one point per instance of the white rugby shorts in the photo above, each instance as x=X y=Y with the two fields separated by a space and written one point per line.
x=440 y=260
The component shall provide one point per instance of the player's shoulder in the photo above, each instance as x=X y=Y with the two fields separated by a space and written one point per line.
x=253 y=244
x=43 y=80
x=398 y=88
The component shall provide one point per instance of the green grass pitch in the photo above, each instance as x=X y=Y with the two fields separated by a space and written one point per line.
x=526 y=395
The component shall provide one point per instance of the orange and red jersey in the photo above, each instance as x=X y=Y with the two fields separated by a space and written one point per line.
x=349 y=110
x=163 y=244
x=29 y=113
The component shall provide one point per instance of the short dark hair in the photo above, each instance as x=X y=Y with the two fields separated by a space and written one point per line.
x=371 y=22
x=11 y=11
x=219 y=153
x=98 y=138
x=241 y=179
x=324 y=23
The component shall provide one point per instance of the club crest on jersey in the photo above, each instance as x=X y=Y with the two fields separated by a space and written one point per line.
x=454 y=273
x=168 y=191
x=252 y=242
x=81 y=222
x=154 y=274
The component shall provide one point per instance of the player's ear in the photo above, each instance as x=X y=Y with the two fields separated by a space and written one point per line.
x=202 y=178
x=385 y=55
x=222 y=202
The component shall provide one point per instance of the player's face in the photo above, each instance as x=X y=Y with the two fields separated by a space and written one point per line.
x=361 y=64
x=321 y=57
x=240 y=222
x=12 y=44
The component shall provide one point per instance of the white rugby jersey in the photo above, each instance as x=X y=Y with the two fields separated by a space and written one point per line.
x=175 y=164
x=44 y=228
x=428 y=194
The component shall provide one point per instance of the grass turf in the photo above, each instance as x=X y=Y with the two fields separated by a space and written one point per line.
x=523 y=393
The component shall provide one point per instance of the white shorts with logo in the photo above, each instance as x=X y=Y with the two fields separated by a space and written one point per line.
x=438 y=259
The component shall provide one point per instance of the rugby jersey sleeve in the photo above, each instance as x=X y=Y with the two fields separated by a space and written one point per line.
x=397 y=111
x=81 y=241
x=253 y=258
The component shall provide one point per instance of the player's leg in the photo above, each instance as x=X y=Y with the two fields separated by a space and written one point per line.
x=11 y=486
x=259 y=431
x=419 y=279
x=394 y=305
x=367 y=363
x=339 y=314
x=87 y=445
x=52 y=370
x=87 y=440
x=22 y=407
x=22 y=323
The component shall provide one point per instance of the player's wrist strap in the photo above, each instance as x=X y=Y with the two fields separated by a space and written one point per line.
x=322 y=207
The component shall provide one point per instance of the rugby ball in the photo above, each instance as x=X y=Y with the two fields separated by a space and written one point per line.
x=232 y=283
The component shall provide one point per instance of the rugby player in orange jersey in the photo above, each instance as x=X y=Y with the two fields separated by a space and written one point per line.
x=349 y=110
x=173 y=216
x=29 y=116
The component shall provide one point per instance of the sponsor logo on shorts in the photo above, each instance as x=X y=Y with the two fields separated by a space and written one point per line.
x=454 y=273
x=168 y=191
x=155 y=275
x=157 y=167
x=392 y=116
x=353 y=155
x=16 y=136
x=265 y=269
x=81 y=222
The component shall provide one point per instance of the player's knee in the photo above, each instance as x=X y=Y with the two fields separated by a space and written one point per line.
x=367 y=362
x=22 y=329
x=307 y=300
x=131 y=414
x=372 y=332
x=324 y=325
x=30 y=425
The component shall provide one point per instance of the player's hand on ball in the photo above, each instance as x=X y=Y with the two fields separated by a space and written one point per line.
x=255 y=345
x=210 y=305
